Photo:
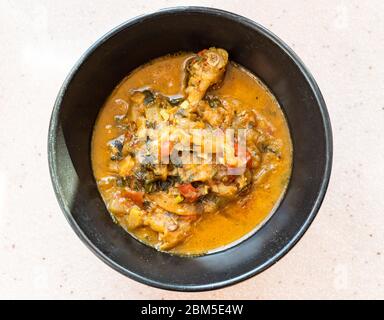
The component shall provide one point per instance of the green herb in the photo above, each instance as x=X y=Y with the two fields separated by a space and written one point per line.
x=150 y=124
x=149 y=97
x=214 y=102
x=176 y=101
x=121 y=182
x=149 y=187
x=146 y=204
x=265 y=148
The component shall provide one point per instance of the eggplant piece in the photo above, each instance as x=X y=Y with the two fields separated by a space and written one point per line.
x=176 y=100
x=149 y=97
x=116 y=147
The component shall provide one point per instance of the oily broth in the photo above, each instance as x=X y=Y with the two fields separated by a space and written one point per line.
x=239 y=218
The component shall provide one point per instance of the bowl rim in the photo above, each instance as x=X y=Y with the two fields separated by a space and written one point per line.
x=326 y=127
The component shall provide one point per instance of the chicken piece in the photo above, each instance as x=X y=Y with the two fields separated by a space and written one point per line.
x=217 y=116
x=205 y=70
x=171 y=203
x=214 y=117
x=172 y=230
x=194 y=172
x=170 y=239
x=224 y=191
x=159 y=221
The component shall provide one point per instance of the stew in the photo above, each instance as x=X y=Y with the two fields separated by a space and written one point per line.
x=191 y=152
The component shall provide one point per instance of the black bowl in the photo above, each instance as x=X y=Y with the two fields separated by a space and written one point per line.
x=136 y=42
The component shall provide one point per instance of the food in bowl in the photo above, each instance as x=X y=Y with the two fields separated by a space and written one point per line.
x=191 y=152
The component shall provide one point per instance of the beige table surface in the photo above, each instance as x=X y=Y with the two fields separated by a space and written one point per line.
x=342 y=254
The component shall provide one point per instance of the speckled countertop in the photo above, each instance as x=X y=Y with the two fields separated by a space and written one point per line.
x=342 y=254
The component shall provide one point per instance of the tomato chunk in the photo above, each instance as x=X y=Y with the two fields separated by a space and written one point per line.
x=189 y=192
x=249 y=159
x=201 y=53
x=136 y=196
